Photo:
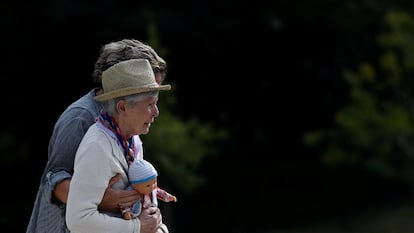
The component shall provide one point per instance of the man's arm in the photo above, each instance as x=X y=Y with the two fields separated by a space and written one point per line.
x=151 y=219
x=61 y=190
x=113 y=198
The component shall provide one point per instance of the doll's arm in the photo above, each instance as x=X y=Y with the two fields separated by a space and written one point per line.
x=165 y=196
x=126 y=213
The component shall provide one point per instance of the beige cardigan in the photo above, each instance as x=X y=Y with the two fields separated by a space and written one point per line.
x=97 y=160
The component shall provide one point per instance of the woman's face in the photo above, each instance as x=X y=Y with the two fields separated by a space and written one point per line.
x=137 y=119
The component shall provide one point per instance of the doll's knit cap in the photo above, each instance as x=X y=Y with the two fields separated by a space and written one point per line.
x=141 y=171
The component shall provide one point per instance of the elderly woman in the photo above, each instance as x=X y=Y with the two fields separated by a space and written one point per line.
x=111 y=144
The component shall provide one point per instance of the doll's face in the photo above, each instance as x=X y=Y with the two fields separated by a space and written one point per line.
x=146 y=187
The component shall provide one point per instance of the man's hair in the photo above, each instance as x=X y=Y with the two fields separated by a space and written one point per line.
x=126 y=49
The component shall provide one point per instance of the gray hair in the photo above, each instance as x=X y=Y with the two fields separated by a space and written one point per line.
x=126 y=49
x=109 y=106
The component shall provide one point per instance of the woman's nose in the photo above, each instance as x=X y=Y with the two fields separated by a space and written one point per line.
x=155 y=111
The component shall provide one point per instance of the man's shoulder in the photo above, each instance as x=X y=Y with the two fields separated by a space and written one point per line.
x=86 y=103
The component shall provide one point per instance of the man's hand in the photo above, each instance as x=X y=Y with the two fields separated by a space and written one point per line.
x=113 y=199
x=162 y=229
x=151 y=220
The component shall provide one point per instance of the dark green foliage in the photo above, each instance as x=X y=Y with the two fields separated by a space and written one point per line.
x=375 y=129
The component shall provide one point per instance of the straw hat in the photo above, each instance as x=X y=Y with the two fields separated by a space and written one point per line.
x=141 y=171
x=129 y=77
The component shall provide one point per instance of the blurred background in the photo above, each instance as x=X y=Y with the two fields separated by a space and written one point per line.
x=285 y=116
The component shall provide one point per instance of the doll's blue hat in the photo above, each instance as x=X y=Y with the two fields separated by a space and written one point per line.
x=141 y=171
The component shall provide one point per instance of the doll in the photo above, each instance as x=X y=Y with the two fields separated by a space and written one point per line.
x=143 y=178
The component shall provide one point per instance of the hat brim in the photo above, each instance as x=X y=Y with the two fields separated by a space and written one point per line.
x=130 y=91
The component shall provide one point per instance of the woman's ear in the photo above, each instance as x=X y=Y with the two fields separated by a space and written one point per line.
x=121 y=105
